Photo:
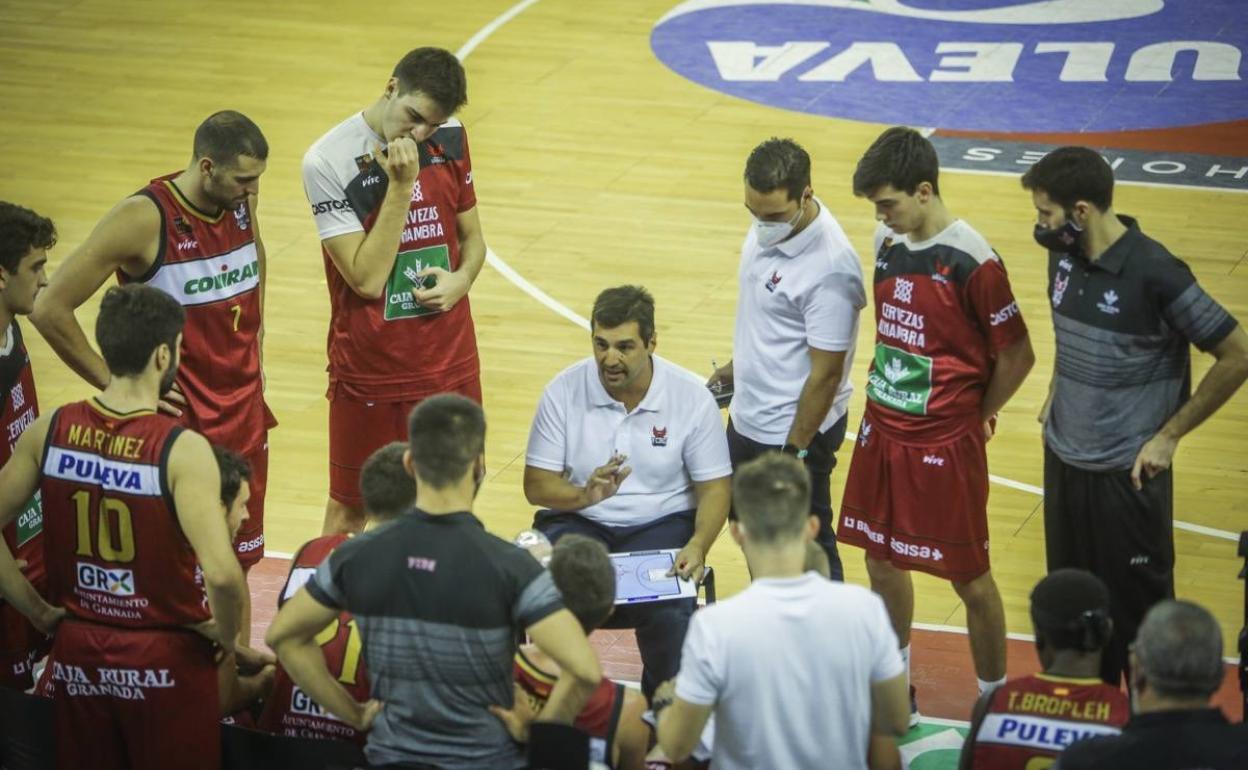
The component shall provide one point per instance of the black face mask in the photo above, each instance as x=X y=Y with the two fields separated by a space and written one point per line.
x=1064 y=239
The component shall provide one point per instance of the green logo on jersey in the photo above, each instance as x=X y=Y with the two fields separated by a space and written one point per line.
x=30 y=521
x=900 y=380
x=400 y=303
x=221 y=280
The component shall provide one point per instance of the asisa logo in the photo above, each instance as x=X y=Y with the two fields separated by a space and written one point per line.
x=1008 y=65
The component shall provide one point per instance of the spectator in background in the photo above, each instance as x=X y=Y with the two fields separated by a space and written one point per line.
x=1176 y=667
x=799 y=671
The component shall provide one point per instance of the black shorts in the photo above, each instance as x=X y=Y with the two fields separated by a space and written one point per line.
x=1099 y=521
x=820 y=460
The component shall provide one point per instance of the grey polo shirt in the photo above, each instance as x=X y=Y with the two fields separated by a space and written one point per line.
x=1123 y=325
x=439 y=602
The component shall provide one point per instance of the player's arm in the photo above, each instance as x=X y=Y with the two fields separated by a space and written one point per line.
x=714 y=499
x=883 y=754
x=263 y=263
x=818 y=393
x=890 y=706
x=196 y=486
x=365 y=260
x=559 y=635
x=632 y=734
x=127 y=235
x=19 y=478
x=680 y=725
x=1043 y=416
x=1013 y=364
x=977 y=718
x=293 y=637
x=1227 y=374
x=452 y=287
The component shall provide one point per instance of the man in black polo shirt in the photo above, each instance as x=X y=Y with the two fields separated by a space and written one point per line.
x=439 y=603
x=1176 y=666
x=1125 y=311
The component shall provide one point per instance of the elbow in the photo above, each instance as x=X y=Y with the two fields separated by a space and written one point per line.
x=676 y=747
x=588 y=673
x=368 y=290
x=44 y=316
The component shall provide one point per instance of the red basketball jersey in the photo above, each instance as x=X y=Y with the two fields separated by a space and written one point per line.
x=289 y=711
x=943 y=310
x=1034 y=718
x=210 y=265
x=19 y=406
x=115 y=552
x=19 y=640
x=600 y=716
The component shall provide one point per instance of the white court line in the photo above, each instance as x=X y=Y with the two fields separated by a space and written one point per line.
x=556 y=306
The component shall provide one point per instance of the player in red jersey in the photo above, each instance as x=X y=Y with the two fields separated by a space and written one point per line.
x=25 y=238
x=194 y=235
x=612 y=716
x=389 y=491
x=1027 y=722
x=244 y=681
x=392 y=195
x=137 y=552
x=950 y=349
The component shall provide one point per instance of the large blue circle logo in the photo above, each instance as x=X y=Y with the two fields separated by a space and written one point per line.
x=1038 y=66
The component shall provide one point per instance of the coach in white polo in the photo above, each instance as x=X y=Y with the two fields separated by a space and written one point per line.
x=800 y=293
x=628 y=448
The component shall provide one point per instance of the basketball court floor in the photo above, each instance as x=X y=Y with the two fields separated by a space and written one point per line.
x=608 y=140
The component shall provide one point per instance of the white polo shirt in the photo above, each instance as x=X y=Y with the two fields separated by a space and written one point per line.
x=673 y=438
x=788 y=664
x=803 y=293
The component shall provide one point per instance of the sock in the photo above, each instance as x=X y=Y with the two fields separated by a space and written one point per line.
x=985 y=686
x=905 y=658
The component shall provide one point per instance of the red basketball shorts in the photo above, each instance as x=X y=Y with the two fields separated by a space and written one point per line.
x=249 y=543
x=922 y=508
x=357 y=428
x=134 y=699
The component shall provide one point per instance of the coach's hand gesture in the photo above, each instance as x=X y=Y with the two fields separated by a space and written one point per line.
x=606 y=480
x=401 y=161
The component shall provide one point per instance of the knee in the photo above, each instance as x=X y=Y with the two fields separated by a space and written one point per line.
x=978 y=592
x=882 y=570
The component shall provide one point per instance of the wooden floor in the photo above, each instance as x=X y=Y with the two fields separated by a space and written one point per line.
x=594 y=166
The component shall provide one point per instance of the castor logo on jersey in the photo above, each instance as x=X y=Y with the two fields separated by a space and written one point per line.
x=1008 y=65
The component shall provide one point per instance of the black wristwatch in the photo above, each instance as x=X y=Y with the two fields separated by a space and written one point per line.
x=791 y=449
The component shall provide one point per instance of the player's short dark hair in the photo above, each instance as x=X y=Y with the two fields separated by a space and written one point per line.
x=582 y=571
x=778 y=163
x=225 y=135
x=234 y=471
x=617 y=306
x=20 y=231
x=446 y=434
x=436 y=73
x=1179 y=650
x=388 y=489
x=1070 y=611
x=1072 y=174
x=771 y=497
x=900 y=157
x=134 y=320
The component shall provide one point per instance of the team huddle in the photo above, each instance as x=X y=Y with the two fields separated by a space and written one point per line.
x=132 y=519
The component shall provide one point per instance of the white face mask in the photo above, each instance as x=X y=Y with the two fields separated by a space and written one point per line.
x=771 y=233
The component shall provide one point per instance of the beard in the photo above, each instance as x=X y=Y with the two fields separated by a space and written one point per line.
x=167 y=380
